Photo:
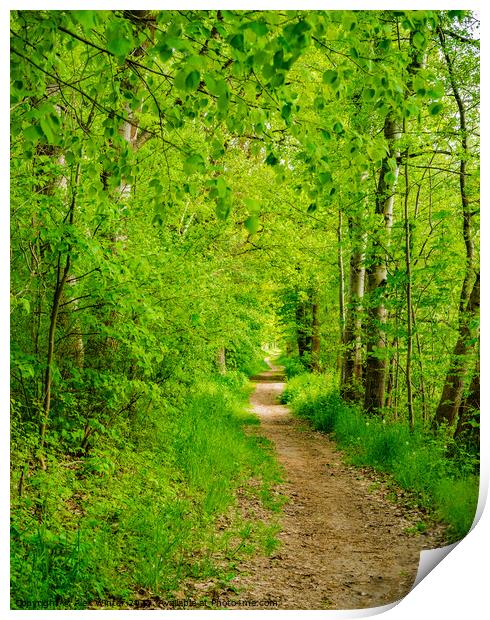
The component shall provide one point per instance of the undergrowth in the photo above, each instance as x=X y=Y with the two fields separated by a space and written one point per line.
x=418 y=460
x=136 y=516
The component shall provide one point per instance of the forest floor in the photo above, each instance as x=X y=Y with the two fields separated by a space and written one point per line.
x=345 y=541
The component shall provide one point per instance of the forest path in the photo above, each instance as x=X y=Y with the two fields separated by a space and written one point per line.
x=343 y=543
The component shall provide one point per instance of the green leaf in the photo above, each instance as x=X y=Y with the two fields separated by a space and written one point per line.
x=238 y=42
x=437 y=90
x=88 y=19
x=311 y=208
x=456 y=14
x=252 y=205
x=418 y=40
x=330 y=76
x=217 y=87
x=164 y=51
x=223 y=208
x=192 y=80
x=368 y=94
x=221 y=187
x=252 y=224
x=349 y=21
x=259 y=27
x=47 y=129
x=194 y=163
x=325 y=177
x=118 y=41
x=389 y=177
x=319 y=103
x=411 y=109
x=155 y=183
x=384 y=44
x=286 y=111
x=33 y=133
x=187 y=79
x=435 y=108
x=271 y=159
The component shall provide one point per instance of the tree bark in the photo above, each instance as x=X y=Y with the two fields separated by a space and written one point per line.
x=221 y=360
x=303 y=336
x=352 y=363
x=454 y=385
x=61 y=277
x=448 y=410
x=465 y=203
x=374 y=395
x=468 y=421
x=408 y=268
x=315 y=336
x=340 y=261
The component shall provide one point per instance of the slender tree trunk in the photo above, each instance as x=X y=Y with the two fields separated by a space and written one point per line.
x=315 y=335
x=421 y=368
x=303 y=329
x=454 y=385
x=391 y=380
x=340 y=262
x=467 y=214
x=61 y=277
x=352 y=363
x=221 y=360
x=408 y=269
x=452 y=394
x=396 y=380
x=374 y=396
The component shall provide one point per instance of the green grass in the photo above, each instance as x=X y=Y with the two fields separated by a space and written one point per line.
x=417 y=460
x=139 y=513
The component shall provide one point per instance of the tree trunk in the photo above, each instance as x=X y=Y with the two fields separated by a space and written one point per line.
x=374 y=395
x=421 y=369
x=469 y=303
x=221 y=360
x=61 y=277
x=303 y=336
x=352 y=364
x=454 y=385
x=468 y=421
x=340 y=261
x=465 y=203
x=408 y=290
x=315 y=336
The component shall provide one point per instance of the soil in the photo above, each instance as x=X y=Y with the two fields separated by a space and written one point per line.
x=344 y=543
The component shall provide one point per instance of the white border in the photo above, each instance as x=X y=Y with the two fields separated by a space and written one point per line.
x=458 y=586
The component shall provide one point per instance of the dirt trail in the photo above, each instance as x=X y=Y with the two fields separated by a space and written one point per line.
x=343 y=544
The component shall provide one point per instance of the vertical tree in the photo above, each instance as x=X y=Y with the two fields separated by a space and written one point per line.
x=452 y=395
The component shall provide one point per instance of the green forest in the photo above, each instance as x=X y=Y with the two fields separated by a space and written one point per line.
x=193 y=192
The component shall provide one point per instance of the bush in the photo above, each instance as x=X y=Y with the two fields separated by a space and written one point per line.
x=417 y=460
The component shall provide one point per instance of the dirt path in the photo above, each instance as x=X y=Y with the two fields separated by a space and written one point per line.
x=343 y=544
